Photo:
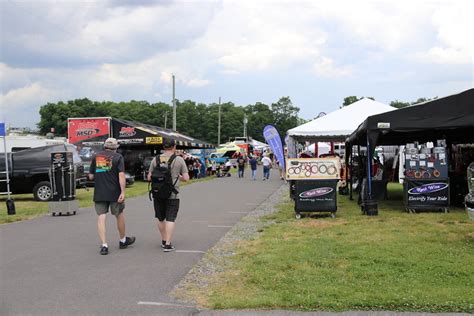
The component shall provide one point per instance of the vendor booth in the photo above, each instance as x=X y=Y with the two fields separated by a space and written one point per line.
x=315 y=184
x=333 y=127
x=428 y=130
x=137 y=141
x=92 y=131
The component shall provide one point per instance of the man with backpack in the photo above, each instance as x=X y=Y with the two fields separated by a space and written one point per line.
x=165 y=173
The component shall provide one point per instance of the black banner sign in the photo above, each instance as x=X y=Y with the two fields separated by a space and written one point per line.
x=426 y=193
x=315 y=195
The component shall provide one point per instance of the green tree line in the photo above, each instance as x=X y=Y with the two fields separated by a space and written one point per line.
x=397 y=104
x=198 y=120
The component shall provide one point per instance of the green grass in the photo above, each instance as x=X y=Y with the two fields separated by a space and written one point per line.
x=27 y=208
x=395 y=261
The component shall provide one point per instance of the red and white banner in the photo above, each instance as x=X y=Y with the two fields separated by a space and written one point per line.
x=80 y=129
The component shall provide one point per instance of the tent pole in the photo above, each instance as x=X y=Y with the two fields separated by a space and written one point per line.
x=369 y=168
x=316 y=149
x=349 y=169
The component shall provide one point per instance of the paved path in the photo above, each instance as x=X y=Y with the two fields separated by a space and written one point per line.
x=52 y=266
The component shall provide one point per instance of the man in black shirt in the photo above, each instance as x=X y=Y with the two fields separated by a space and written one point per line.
x=108 y=171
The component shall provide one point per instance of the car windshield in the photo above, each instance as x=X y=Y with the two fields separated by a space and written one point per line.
x=75 y=155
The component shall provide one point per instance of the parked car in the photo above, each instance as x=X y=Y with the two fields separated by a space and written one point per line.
x=222 y=158
x=29 y=170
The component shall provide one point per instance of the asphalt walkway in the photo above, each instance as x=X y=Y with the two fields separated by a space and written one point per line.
x=52 y=266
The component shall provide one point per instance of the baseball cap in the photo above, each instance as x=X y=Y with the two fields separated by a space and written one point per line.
x=111 y=143
x=168 y=143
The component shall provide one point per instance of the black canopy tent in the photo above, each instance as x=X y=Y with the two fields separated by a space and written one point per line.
x=450 y=118
x=136 y=134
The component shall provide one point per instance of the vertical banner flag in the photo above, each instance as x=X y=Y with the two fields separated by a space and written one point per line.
x=273 y=139
x=2 y=129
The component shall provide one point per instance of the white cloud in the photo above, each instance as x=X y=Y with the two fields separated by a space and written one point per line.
x=325 y=68
x=105 y=51
x=260 y=36
x=198 y=82
x=454 y=24
x=21 y=105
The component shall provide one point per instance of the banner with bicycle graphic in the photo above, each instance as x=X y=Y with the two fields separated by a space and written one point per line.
x=313 y=168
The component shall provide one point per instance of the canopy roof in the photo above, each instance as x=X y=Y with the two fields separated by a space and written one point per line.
x=337 y=125
x=450 y=118
x=136 y=133
x=259 y=145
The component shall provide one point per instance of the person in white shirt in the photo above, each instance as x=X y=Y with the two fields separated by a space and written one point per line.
x=267 y=164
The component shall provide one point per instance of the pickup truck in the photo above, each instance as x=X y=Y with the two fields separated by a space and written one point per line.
x=29 y=170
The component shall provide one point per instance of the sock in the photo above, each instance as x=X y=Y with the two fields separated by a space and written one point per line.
x=123 y=239
x=105 y=245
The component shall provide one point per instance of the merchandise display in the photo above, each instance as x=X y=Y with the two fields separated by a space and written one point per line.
x=426 y=163
x=426 y=184
x=314 y=184
x=313 y=168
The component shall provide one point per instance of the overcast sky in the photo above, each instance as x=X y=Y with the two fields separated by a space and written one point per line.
x=316 y=52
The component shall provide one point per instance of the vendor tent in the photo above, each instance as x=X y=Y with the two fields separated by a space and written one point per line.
x=259 y=145
x=136 y=133
x=337 y=125
x=450 y=118
x=323 y=148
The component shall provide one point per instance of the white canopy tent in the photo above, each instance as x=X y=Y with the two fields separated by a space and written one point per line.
x=337 y=125
x=259 y=145
x=323 y=148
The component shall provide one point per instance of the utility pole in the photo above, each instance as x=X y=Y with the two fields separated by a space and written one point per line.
x=219 y=125
x=245 y=125
x=166 y=118
x=174 y=107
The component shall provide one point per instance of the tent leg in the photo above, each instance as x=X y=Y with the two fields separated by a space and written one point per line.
x=349 y=169
x=369 y=169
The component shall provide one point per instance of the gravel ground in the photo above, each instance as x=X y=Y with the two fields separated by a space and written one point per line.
x=217 y=258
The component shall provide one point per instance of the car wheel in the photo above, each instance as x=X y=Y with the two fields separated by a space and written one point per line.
x=42 y=191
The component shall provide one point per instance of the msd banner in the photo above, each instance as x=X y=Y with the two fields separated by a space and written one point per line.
x=90 y=129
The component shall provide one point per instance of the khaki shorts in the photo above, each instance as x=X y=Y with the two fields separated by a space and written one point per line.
x=103 y=207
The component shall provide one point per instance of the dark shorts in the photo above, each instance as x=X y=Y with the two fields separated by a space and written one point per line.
x=103 y=207
x=166 y=209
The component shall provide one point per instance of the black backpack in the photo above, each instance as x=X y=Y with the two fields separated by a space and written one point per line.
x=161 y=182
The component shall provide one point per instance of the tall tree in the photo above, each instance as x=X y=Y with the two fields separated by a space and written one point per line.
x=401 y=104
x=351 y=99
x=285 y=115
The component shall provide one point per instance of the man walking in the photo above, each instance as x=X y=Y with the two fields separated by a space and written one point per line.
x=166 y=210
x=241 y=165
x=267 y=164
x=253 y=167
x=108 y=172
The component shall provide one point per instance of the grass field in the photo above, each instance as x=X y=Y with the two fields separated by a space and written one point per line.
x=27 y=208
x=395 y=261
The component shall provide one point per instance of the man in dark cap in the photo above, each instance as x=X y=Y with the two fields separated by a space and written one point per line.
x=166 y=209
x=108 y=172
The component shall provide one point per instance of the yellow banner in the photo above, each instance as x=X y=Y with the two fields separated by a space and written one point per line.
x=154 y=140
